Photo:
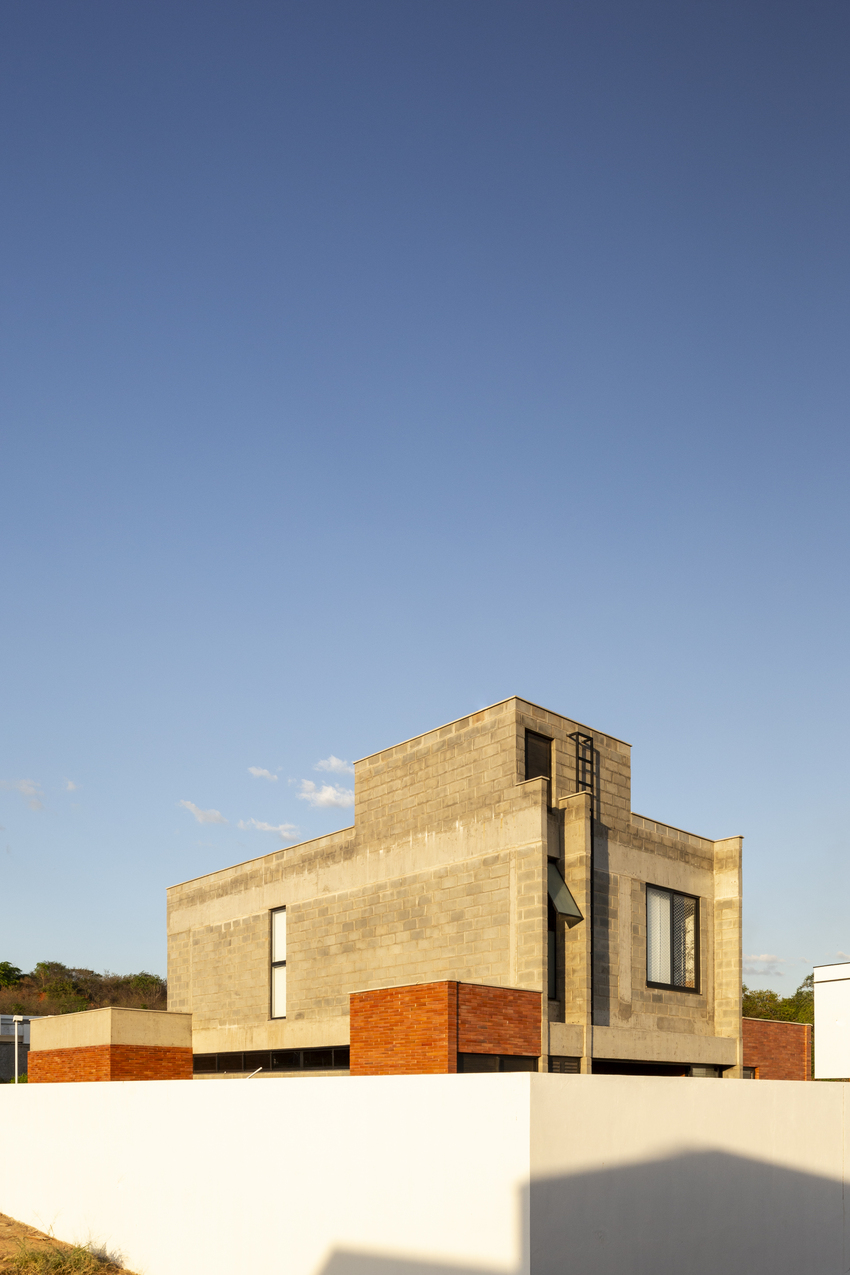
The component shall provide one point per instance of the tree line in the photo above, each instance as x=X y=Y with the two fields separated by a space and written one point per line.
x=54 y=988
x=798 y=1008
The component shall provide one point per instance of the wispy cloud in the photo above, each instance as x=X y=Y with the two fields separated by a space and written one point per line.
x=259 y=773
x=766 y=965
x=327 y=795
x=70 y=786
x=285 y=830
x=29 y=790
x=336 y=765
x=204 y=816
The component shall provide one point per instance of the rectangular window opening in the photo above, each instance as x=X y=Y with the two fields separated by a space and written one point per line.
x=538 y=755
x=495 y=1062
x=278 y=963
x=672 y=939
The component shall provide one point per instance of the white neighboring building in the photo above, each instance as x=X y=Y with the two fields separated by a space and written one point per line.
x=832 y=1022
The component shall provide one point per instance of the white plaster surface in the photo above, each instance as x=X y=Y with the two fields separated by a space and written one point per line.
x=832 y=1021
x=246 y=1177
x=437 y=1175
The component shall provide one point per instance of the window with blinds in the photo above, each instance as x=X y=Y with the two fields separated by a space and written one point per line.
x=278 y=964
x=672 y=939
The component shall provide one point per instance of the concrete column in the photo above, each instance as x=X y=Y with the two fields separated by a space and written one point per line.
x=727 y=944
x=576 y=864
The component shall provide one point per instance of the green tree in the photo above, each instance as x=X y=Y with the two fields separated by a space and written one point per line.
x=763 y=1003
x=9 y=974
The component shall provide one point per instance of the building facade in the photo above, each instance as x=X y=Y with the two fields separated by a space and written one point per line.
x=497 y=851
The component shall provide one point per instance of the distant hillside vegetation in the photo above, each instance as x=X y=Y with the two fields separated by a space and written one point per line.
x=54 y=988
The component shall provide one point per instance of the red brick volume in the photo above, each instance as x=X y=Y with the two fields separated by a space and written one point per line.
x=109 y=1062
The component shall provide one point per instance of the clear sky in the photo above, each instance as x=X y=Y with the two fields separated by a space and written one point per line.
x=366 y=363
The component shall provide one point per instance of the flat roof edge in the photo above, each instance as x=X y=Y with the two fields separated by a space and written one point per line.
x=243 y=862
x=686 y=831
x=486 y=708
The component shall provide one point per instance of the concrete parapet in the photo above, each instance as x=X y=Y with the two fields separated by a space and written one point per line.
x=111 y=1044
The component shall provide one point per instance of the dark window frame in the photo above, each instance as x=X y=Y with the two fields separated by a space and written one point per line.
x=536 y=735
x=502 y=1062
x=696 y=990
x=236 y=1062
x=273 y=965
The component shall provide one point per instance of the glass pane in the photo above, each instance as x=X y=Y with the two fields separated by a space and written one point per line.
x=204 y=1062
x=286 y=1060
x=342 y=1056
x=230 y=1062
x=279 y=991
x=657 y=935
x=684 y=941
x=279 y=935
x=514 y=1063
x=319 y=1059
x=478 y=1062
x=553 y=973
x=538 y=756
x=256 y=1058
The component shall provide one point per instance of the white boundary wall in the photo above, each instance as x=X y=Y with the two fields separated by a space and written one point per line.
x=436 y=1175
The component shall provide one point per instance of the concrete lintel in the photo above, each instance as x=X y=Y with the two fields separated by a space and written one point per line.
x=673 y=1047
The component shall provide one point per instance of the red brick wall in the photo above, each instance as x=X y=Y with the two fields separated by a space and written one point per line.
x=404 y=1031
x=498 y=1020
x=109 y=1062
x=420 y=1028
x=780 y=1051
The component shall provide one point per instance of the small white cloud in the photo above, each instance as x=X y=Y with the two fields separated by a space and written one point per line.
x=285 y=830
x=327 y=795
x=765 y=965
x=259 y=773
x=70 y=786
x=336 y=765
x=29 y=790
x=204 y=816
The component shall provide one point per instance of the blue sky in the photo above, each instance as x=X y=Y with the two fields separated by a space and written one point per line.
x=364 y=364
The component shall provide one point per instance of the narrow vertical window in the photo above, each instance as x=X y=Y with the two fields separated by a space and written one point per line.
x=278 y=969
x=552 y=953
x=672 y=939
x=657 y=936
x=538 y=755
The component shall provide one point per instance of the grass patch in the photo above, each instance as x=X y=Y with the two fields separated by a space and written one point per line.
x=59 y=1261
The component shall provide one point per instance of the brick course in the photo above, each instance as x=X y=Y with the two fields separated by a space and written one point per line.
x=780 y=1051
x=497 y=1020
x=109 y=1062
x=419 y=1029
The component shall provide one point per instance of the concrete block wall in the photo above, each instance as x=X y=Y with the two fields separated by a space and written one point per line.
x=444 y=877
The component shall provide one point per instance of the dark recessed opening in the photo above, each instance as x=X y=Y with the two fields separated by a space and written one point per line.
x=468 y=1063
x=538 y=755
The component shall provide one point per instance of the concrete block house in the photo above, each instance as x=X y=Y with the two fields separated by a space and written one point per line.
x=496 y=905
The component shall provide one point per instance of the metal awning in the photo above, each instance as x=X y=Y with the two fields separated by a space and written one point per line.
x=562 y=901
